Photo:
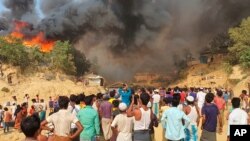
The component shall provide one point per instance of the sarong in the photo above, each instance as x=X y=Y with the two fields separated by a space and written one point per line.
x=106 y=128
x=191 y=133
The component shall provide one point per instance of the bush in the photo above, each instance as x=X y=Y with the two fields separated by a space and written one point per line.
x=4 y=89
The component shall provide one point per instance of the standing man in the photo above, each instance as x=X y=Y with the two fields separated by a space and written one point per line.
x=122 y=125
x=210 y=115
x=201 y=98
x=142 y=118
x=62 y=121
x=237 y=116
x=156 y=102
x=172 y=119
x=106 y=117
x=125 y=93
x=89 y=118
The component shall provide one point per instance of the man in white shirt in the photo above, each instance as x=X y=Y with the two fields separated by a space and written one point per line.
x=122 y=125
x=201 y=99
x=237 y=116
x=156 y=102
x=62 y=122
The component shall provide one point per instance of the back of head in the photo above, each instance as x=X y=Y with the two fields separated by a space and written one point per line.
x=144 y=97
x=73 y=98
x=176 y=100
x=99 y=95
x=244 y=92
x=89 y=100
x=236 y=102
x=5 y=109
x=112 y=93
x=116 y=103
x=42 y=100
x=209 y=97
x=219 y=93
x=30 y=125
x=81 y=97
x=63 y=102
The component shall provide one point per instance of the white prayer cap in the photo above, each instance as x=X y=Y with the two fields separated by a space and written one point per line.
x=122 y=106
x=156 y=90
x=190 y=98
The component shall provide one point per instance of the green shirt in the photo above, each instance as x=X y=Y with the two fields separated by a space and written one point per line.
x=90 y=121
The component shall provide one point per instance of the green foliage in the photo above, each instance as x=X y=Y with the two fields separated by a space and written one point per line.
x=63 y=57
x=14 y=52
x=240 y=49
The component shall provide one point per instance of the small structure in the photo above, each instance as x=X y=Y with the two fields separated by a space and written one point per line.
x=93 y=80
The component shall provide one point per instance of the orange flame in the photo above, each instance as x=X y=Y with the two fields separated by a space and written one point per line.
x=36 y=40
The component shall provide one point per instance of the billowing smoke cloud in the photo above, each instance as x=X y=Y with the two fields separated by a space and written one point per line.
x=127 y=36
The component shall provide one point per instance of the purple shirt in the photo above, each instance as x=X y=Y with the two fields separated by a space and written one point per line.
x=106 y=109
x=193 y=94
x=211 y=112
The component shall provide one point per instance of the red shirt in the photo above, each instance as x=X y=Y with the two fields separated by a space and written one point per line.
x=220 y=103
x=183 y=96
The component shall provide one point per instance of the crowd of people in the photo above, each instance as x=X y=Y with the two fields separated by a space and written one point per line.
x=128 y=115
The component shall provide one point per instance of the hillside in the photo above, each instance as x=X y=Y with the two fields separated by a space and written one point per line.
x=214 y=76
x=45 y=84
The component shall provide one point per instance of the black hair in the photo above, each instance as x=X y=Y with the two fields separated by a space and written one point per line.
x=33 y=100
x=219 y=93
x=24 y=104
x=136 y=97
x=42 y=100
x=209 y=97
x=30 y=125
x=116 y=103
x=73 y=98
x=63 y=102
x=192 y=89
x=81 y=97
x=1 y=107
x=99 y=95
x=236 y=102
x=88 y=100
x=244 y=92
x=5 y=109
x=144 y=98
x=167 y=100
x=112 y=93
x=176 y=100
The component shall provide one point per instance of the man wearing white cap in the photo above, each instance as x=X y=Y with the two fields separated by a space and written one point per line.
x=192 y=113
x=201 y=99
x=156 y=101
x=122 y=125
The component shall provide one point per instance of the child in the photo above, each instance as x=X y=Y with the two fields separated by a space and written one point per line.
x=7 y=119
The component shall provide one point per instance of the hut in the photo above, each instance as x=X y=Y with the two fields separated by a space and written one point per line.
x=93 y=80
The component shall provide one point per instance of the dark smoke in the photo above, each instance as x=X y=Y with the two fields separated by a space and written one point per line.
x=127 y=36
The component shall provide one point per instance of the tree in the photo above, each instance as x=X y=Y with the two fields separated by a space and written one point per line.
x=240 y=49
x=62 y=57
x=14 y=52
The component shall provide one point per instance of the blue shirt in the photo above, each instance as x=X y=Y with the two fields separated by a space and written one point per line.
x=211 y=113
x=89 y=119
x=172 y=121
x=125 y=95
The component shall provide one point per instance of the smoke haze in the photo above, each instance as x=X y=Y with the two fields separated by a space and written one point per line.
x=127 y=36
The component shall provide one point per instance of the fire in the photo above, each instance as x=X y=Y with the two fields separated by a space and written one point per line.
x=36 y=40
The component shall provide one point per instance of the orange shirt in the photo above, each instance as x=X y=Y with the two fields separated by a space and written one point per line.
x=220 y=102
x=7 y=116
